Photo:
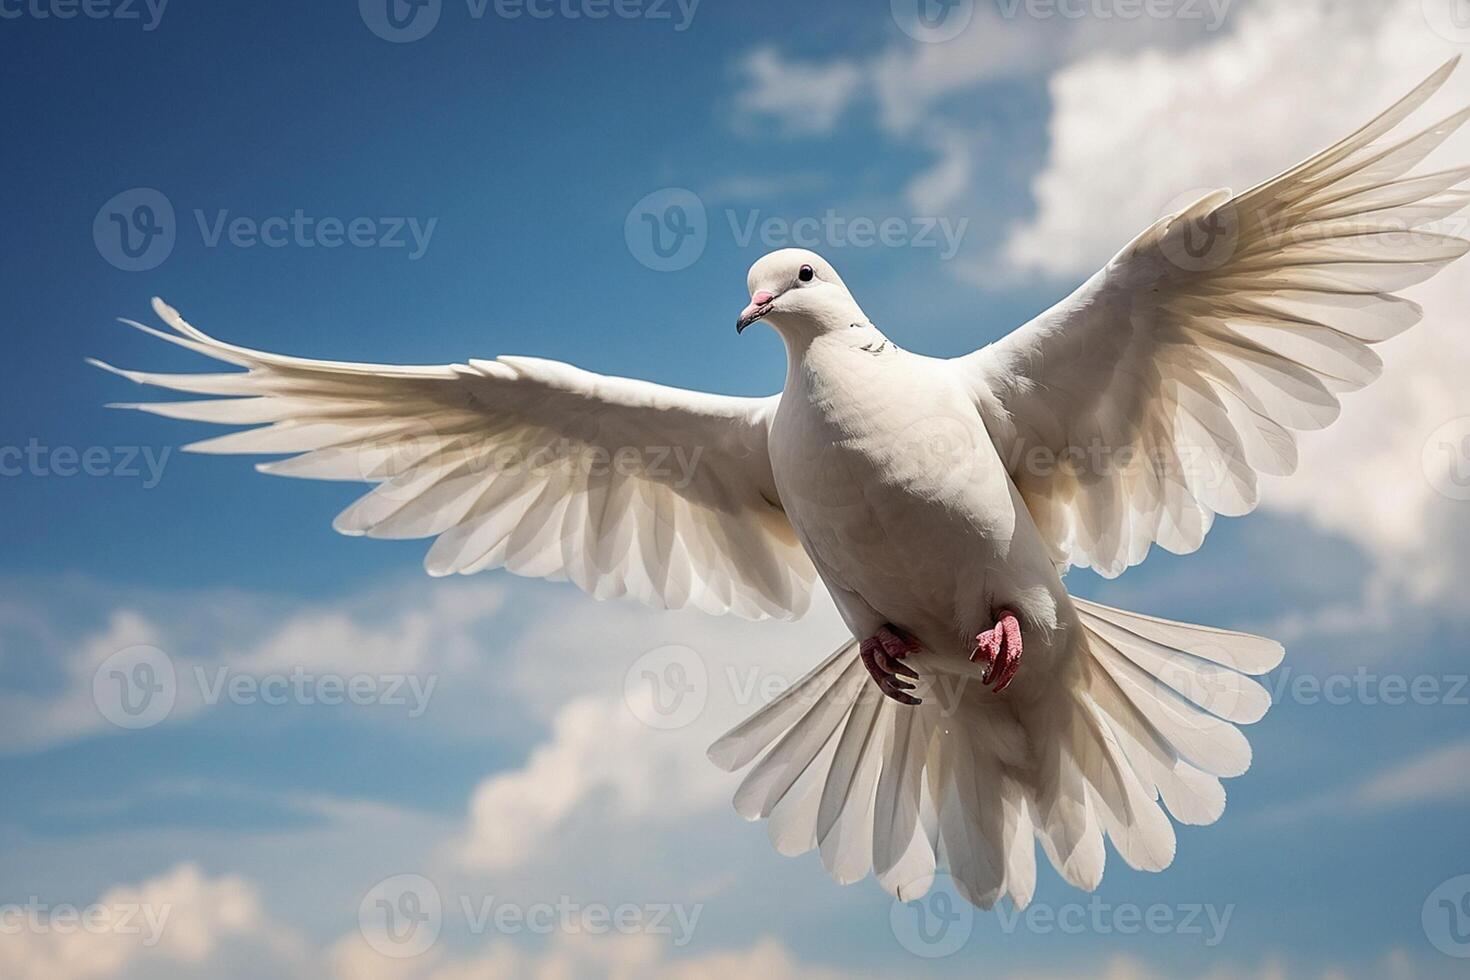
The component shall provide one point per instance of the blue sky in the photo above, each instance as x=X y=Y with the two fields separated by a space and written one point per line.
x=1007 y=161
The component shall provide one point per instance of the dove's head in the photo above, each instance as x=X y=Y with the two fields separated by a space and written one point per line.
x=800 y=294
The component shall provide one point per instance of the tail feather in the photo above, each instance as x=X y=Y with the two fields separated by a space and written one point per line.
x=970 y=819
x=896 y=809
x=1020 y=842
x=1193 y=797
x=966 y=783
x=775 y=774
x=745 y=741
x=793 y=824
x=845 y=813
x=1067 y=822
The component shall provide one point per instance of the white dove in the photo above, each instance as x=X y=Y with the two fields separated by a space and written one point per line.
x=938 y=500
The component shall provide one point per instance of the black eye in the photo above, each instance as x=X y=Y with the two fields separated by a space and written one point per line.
x=806 y=273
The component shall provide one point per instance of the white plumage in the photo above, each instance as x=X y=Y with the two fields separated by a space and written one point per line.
x=927 y=494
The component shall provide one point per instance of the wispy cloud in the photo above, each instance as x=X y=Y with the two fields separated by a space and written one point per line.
x=1436 y=776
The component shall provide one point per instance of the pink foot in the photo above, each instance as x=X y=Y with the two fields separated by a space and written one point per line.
x=1000 y=647
x=883 y=655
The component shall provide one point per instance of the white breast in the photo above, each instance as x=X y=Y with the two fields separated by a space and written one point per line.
x=896 y=490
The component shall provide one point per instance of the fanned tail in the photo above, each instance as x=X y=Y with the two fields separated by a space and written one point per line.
x=965 y=781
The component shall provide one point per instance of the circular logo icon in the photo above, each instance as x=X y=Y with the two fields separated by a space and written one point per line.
x=135 y=687
x=389 y=456
x=932 y=21
x=400 y=21
x=401 y=916
x=1207 y=684
x=1446 y=917
x=1205 y=241
x=135 y=231
x=667 y=688
x=933 y=926
x=667 y=230
x=1446 y=459
x=1450 y=19
x=944 y=447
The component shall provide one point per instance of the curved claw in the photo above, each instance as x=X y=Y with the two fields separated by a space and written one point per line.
x=1000 y=647
x=882 y=655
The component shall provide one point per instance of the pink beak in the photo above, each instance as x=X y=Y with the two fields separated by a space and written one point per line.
x=760 y=305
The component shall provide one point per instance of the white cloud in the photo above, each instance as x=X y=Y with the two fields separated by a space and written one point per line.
x=922 y=93
x=1435 y=776
x=615 y=957
x=596 y=744
x=184 y=923
x=409 y=641
x=595 y=672
x=1394 y=965
x=222 y=927
x=909 y=81
x=1438 y=776
x=804 y=97
x=946 y=182
x=178 y=921
x=32 y=719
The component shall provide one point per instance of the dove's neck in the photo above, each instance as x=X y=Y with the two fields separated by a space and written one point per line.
x=811 y=337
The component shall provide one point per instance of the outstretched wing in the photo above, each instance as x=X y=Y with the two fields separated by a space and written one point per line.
x=624 y=487
x=1148 y=401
